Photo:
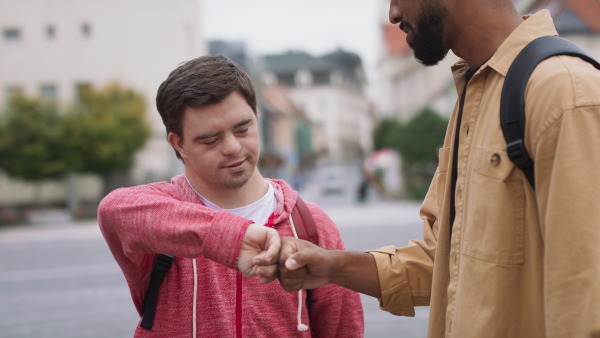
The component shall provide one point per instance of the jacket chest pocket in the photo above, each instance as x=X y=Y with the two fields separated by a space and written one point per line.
x=495 y=210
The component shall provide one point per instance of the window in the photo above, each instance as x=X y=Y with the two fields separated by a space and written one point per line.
x=50 y=33
x=86 y=31
x=303 y=78
x=82 y=90
x=14 y=91
x=48 y=92
x=12 y=35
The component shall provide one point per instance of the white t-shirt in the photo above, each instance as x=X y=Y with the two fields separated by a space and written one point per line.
x=258 y=211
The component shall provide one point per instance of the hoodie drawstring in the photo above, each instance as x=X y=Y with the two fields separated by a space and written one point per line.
x=195 y=297
x=301 y=327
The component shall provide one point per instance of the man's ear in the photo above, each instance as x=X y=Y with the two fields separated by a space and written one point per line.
x=176 y=142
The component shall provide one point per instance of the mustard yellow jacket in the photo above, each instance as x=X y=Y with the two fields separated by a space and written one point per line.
x=519 y=263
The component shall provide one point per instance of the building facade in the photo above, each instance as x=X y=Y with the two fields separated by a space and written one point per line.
x=54 y=48
x=330 y=90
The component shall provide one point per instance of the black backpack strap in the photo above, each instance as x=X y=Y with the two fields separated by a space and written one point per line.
x=161 y=267
x=512 y=103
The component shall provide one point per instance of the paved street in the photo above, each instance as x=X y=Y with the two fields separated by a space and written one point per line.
x=59 y=280
x=369 y=226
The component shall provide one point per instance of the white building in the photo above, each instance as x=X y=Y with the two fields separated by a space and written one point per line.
x=330 y=89
x=53 y=47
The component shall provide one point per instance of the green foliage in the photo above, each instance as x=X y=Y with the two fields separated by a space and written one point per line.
x=386 y=133
x=422 y=136
x=30 y=144
x=418 y=142
x=105 y=129
x=100 y=134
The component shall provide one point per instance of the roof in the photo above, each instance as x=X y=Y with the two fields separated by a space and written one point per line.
x=395 y=40
x=276 y=99
x=292 y=61
x=588 y=11
x=572 y=16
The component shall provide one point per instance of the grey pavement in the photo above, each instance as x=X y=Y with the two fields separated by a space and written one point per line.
x=370 y=226
x=59 y=280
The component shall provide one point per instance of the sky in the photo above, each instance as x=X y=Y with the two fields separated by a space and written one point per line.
x=313 y=26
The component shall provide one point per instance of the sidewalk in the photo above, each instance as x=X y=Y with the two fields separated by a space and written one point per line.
x=30 y=233
x=380 y=212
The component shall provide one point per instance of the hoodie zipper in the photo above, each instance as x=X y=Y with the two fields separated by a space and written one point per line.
x=238 y=292
x=238 y=306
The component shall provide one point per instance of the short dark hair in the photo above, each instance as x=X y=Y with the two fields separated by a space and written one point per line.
x=205 y=80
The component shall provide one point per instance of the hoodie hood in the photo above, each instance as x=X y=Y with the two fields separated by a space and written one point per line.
x=286 y=199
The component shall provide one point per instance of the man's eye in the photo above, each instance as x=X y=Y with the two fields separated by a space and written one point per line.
x=211 y=142
x=242 y=131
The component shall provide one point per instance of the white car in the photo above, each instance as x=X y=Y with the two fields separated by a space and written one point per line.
x=332 y=179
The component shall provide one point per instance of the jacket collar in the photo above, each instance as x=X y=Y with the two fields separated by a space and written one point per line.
x=534 y=26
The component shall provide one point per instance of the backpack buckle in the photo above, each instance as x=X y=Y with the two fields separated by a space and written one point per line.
x=164 y=262
x=518 y=154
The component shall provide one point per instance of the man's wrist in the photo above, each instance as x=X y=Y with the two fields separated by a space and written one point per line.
x=356 y=271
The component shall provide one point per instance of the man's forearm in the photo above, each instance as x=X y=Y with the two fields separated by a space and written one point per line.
x=356 y=271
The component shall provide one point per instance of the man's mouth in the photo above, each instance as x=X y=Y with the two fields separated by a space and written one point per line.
x=405 y=27
x=234 y=164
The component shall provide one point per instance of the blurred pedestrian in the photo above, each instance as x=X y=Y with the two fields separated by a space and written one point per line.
x=498 y=258
x=211 y=220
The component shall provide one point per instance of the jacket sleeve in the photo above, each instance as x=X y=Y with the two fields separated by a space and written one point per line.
x=405 y=274
x=568 y=193
x=335 y=311
x=150 y=219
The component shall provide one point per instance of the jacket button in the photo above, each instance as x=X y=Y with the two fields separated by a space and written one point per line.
x=495 y=160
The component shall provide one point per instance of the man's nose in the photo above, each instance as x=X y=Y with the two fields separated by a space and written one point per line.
x=395 y=13
x=232 y=145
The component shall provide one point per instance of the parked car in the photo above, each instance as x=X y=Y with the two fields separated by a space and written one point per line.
x=333 y=179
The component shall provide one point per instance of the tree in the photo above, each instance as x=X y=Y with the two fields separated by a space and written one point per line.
x=422 y=136
x=419 y=142
x=385 y=133
x=30 y=145
x=31 y=148
x=104 y=130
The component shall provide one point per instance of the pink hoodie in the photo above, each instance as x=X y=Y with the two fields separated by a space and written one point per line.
x=140 y=222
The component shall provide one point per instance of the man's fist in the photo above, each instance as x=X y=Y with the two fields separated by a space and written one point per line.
x=259 y=253
x=303 y=265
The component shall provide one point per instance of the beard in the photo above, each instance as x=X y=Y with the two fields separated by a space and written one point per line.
x=234 y=181
x=427 y=45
